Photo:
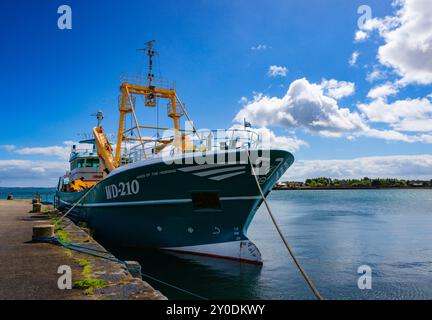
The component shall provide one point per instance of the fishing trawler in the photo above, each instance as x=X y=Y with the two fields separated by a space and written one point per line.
x=190 y=191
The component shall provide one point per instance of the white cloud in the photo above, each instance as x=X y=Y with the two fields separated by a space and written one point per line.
x=291 y=144
x=337 y=89
x=37 y=173
x=8 y=147
x=243 y=100
x=383 y=25
x=304 y=106
x=307 y=106
x=360 y=36
x=382 y=91
x=417 y=125
x=408 y=40
x=277 y=71
x=270 y=140
x=395 y=113
x=61 y=152
x=28 y=173
x=398 y=166
x=58 y=151
x=393 y=135
x=354 y=57
x=260 y=47
x=374 y=75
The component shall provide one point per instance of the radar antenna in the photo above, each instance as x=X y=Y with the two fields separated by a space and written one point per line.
x=99 y=116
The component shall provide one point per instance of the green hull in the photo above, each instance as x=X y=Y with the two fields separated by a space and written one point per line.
x=153 y=204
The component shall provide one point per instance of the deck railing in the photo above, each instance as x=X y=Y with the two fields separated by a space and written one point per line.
x=201 y=141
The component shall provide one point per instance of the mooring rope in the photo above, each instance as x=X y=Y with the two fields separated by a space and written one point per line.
x=80 y=248
x=296 y=261
x=76 y=203
x=173 y=286
x=109 y=256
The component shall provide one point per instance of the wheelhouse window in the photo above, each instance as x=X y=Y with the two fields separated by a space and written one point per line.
x=95 y=163
x=81 y=163
x=73 y=164
x=85 y=163
x=92 y=163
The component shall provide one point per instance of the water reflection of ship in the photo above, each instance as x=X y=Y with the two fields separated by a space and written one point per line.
x=208 y=277
x=224 y=266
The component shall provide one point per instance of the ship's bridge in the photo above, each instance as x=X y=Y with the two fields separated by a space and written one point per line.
x=84 y=165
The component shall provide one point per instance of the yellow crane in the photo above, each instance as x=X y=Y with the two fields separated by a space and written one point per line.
x=175 y=111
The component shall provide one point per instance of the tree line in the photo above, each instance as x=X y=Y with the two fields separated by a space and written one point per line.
x=324 y=182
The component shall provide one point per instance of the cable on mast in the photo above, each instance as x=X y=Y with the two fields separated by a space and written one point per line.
x=150 y=99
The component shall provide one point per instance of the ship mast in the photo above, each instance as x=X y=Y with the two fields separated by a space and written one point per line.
x=151 y=93
x=150 y=53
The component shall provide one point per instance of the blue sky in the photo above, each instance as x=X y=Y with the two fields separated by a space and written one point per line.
x=221 y=52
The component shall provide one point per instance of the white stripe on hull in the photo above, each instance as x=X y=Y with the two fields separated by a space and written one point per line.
x=243 y=250
x=216 y=171
x=226 y=176
x=153 y=202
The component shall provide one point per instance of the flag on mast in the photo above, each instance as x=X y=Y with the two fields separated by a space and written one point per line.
x=247 y=124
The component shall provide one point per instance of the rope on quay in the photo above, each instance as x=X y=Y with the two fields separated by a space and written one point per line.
x=79 y=248
x=79 y=200
x=87 y=250
x=296 y=261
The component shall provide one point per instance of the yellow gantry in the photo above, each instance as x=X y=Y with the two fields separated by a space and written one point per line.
x=150 y=93
x=176 y=110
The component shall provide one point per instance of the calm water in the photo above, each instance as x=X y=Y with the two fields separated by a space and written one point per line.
x=47 y=194
x=333 y=232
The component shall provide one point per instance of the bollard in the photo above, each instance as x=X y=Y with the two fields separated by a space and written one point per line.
x=43 y=231
x=134 y=268
x=10 y=197
x=37 y=207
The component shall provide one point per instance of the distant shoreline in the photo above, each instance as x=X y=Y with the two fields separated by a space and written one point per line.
x=347 y=188
x=325 y=183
